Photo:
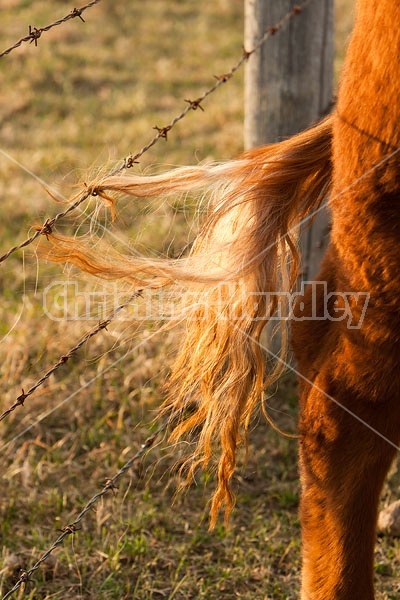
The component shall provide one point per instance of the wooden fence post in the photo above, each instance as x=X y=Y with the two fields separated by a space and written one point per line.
x=288 y=85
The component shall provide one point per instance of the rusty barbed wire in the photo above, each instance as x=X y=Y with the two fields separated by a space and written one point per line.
x=71 y=528
x=162 y=132
x=35 y=33
x=65 y=357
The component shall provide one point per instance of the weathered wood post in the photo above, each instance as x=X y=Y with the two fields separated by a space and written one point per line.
x=288 y=85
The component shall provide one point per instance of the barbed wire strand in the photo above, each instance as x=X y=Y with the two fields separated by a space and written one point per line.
x=162 y=132
x=35 y=33
x=65 y=357
x=72 y=528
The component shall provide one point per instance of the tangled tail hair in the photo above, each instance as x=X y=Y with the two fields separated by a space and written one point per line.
x=246 y=250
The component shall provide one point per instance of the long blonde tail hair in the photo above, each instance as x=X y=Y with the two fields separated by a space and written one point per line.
x=245 y=253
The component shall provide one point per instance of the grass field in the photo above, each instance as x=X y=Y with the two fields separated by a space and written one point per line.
x=87 y=96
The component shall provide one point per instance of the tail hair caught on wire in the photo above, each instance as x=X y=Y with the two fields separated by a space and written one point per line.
x=246 y=246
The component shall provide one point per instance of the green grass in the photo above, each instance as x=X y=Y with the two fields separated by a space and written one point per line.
x=86 y=96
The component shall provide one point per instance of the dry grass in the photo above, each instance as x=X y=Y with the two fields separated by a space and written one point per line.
x=87 y=95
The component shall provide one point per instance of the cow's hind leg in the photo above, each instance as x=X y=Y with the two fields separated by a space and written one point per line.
x=349 y=430
x=343 y=466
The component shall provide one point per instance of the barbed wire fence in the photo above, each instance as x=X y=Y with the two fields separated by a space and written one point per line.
x=47 y=227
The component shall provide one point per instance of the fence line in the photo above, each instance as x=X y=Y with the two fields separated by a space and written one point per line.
x=162 y=132
x=72 y=528
x=46 y=228
x=35 y=33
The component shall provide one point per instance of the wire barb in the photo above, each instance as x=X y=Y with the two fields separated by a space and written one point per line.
x=46 y=228
x=195 y=104
x=247 y=53
x=20 y=401
x=163 y=131
x=77 y=12
x=223 y=78
x=70 y=529
x=34 y=34
x=25 y=577
x=128 y=162
x=110 y=484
